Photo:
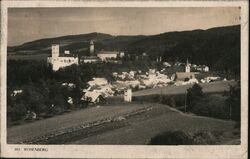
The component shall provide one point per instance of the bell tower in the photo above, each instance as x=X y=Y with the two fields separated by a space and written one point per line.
x=55 y=50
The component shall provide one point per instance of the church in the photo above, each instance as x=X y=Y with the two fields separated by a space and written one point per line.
x=59 y=60
x=181 y=76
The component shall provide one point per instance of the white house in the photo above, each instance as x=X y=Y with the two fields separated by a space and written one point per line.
x=59 y=61
x=89 y=59
x=202 y=68
x=206 y=69
x=98 y=82
x=128 y=95
x=93 y=97
x=104 y=55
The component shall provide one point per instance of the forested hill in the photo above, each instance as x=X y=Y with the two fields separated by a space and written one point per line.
x=217 y=47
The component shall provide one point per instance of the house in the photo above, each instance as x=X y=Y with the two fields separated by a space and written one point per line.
x=104 y=55
x=30 y=115
x=93 y=97
x=98 y=81
x=59 y=60
x=122 y=54
x=202 y=68
x=90 y=59
x=128 y=95
x=181 y=76
x=16 y=92
x=166 y=64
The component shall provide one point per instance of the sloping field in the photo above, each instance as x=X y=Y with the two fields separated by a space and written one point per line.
x=140 y=129
x=28 y=131
x=28 y=57
x=173 y=90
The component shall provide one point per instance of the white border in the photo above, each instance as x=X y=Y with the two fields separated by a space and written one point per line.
x=114 y=151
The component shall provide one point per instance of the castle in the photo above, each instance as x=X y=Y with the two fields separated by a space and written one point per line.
x=63 y=60
x=59 y=60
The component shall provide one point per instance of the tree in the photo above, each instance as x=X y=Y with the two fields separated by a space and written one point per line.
x=194 y=95
x=234 y=103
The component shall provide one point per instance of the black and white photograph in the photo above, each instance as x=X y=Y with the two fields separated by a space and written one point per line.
x=132 y=75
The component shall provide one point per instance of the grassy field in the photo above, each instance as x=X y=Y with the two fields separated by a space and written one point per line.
x=140 y=129
x=137 y=129
x=24 y=132
x=132 y=130
x=174 y=90
x=38 y=57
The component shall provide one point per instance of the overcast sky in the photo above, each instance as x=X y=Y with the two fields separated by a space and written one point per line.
x=27 y=24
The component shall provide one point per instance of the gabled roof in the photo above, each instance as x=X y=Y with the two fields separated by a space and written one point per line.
x=93 y=95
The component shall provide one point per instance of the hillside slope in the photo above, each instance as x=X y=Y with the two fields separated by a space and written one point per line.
x=218 y=48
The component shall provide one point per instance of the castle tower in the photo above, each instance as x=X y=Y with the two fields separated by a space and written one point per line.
x=92 y=48
x=187 y=67
x=55 y=50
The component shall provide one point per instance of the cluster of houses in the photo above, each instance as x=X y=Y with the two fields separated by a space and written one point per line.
x=137 y=79
x=99 y=88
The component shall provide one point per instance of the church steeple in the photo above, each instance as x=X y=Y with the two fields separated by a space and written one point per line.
x=187 y=67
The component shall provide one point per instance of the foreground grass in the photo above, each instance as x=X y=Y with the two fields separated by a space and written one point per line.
x=139 y=129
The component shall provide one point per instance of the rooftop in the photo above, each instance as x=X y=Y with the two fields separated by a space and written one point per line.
x=108 y=52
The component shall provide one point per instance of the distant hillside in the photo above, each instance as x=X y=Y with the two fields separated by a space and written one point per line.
x=217 y=47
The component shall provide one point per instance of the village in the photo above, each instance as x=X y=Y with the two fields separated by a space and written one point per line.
x=126 y=82
x=131 y=99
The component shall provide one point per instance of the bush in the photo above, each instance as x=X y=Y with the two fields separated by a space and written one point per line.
x=16 y=111
x=212 y=106
x=202 y=137
x=234 y=102
x=171 y=138
x=194 y=95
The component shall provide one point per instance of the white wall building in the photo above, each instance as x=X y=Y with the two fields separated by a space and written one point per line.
x=59 y=61
x=104 y=55
x=128 y=95
x=90 y=59
x=187 y=67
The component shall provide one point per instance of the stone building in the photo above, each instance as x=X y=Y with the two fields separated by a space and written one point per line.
x=59 y=60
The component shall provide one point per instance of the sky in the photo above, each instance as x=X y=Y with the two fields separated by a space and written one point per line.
x=28 y=24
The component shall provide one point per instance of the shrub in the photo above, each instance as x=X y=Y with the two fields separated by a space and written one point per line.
x=234 y=102
x=204 y=138
x=16 y=112
x=211 y=106
x=171 y=138
x=194 y=95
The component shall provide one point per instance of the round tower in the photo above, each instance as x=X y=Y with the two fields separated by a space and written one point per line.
x=92 y=48
x=187 y=68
